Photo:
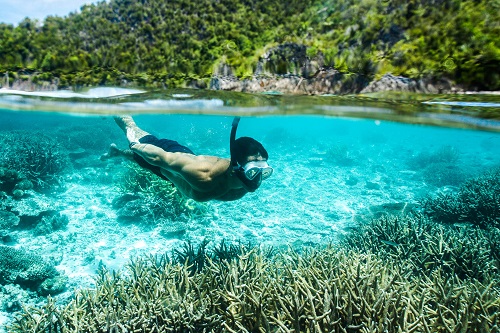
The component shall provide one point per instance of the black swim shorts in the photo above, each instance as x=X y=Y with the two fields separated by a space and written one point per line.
x=165 y=144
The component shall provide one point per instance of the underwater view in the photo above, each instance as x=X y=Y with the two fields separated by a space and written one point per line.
x=382 y=214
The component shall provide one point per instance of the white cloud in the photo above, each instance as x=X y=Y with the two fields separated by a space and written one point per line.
x=14 y=11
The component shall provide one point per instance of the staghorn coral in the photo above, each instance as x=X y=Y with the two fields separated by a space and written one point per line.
x=320 y=290
x=197 y=259
x=442 y=174
x=424 y=246
x=476 y=202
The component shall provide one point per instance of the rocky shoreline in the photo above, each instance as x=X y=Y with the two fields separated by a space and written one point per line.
x=331 y=82
x=328 y=81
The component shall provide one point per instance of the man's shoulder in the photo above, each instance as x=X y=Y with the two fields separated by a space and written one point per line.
x=204 y=165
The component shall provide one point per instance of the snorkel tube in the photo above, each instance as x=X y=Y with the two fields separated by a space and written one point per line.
x=234 y=127
x=250 y=185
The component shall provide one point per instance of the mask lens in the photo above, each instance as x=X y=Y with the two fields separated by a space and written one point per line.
x=253 y=169
x=267 y=172
x=251 y=173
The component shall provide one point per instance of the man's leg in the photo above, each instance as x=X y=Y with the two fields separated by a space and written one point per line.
x=127 y=124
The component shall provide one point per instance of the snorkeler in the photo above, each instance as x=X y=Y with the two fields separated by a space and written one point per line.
x=199 y=177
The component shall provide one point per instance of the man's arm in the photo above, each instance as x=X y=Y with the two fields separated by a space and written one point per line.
x=155 y=155
x=174 y=162
x=191 y=167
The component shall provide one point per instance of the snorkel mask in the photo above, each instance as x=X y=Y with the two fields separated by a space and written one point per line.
x=251 y=173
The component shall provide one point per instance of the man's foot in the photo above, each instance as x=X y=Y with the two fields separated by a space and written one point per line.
x=128 y=125
x=114 y=151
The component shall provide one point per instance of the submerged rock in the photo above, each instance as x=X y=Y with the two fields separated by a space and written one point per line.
x=122 y=200
x=53 y=286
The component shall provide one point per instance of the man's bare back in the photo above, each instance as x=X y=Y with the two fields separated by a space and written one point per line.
x=199 y=177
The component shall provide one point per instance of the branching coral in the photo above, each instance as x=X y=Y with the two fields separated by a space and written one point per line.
x=37 y=156
x=442 y=174
x=152 y=199
x=476 y=202
x=320 y=290
x=197 y=259
x=425 y=246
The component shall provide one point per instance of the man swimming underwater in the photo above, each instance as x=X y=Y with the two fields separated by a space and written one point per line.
x=199 y=177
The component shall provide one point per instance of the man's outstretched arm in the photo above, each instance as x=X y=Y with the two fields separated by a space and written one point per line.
x=158 y=157
x=191 y=168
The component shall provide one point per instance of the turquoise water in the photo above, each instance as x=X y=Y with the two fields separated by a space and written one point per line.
x=337 y=161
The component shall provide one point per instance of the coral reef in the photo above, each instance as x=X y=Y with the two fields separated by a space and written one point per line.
x=33 y=209
x=445 y=154
x=8 y=221
x=36 y=156
x=79 y=137
x=23 y=268
x=327 y=290
x=13 y=182
x=12 y=296
x=53 y=286
x=442 y=174
x=172 y=230
x=476 y=202
x=149 y=199
x=399 y=271
x=343 y=155
x=438 y=167
x=197 y=259
x=462 y=251
x=49 y=224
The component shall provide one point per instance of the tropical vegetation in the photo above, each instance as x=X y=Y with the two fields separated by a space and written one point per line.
x=171 y=43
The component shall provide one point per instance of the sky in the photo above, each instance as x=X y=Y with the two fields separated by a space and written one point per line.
x=14 y=11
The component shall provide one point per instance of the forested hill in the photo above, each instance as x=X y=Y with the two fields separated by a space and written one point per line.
x=166 y=42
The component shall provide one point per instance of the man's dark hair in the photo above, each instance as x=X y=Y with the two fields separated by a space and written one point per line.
x=245 y=146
